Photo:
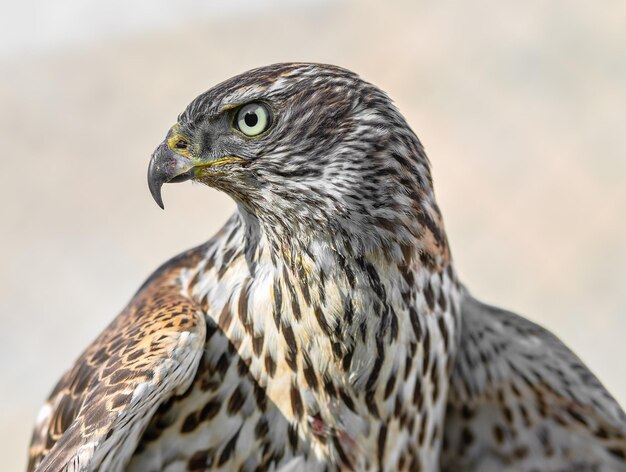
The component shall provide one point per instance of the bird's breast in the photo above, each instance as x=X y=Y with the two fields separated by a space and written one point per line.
x=334 y=367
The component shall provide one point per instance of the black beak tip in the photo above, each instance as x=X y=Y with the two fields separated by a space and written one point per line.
x=155 y=182
x=158 y=200
x=155 y=191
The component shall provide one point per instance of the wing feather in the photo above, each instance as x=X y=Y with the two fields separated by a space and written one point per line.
x=96 y=414
x=521 y=400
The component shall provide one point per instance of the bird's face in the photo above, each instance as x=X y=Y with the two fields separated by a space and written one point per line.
x=307 y=143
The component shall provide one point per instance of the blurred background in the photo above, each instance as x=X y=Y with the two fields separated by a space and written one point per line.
x=520 y=105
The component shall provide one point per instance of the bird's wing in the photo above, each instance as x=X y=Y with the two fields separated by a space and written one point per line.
x=96 y=414
x=521 y=400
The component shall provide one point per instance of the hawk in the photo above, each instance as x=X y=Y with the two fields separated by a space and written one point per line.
x=324 y=327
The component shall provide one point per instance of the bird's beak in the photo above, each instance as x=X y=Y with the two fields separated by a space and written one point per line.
x=167 y=166
x=173 y=162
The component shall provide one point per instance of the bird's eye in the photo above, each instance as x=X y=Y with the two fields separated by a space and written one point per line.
x=253 y=119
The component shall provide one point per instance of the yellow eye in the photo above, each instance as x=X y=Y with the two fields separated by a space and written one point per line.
x=253 y=119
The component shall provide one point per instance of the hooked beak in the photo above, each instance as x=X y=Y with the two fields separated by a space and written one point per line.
x=167 y=166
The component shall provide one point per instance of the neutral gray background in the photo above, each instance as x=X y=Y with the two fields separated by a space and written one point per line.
x=521 y=107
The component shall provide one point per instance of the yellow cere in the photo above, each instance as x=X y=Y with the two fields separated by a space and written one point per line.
x=179 y=143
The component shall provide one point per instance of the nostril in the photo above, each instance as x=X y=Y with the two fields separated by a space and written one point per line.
x=181 y=144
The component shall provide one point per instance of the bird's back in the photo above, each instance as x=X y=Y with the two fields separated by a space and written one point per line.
x=521 y=400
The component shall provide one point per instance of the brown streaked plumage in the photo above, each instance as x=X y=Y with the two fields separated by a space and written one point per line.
x=324 y=327
x=148 y=353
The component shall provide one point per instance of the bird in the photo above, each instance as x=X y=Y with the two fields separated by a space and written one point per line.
x=324 y=327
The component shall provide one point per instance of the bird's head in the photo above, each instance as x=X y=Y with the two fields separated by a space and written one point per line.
x=303 y=148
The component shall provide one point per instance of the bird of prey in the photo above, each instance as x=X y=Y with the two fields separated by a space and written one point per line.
x=324 y=327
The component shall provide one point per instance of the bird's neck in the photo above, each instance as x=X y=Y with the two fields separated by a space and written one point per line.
x=333 y=334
